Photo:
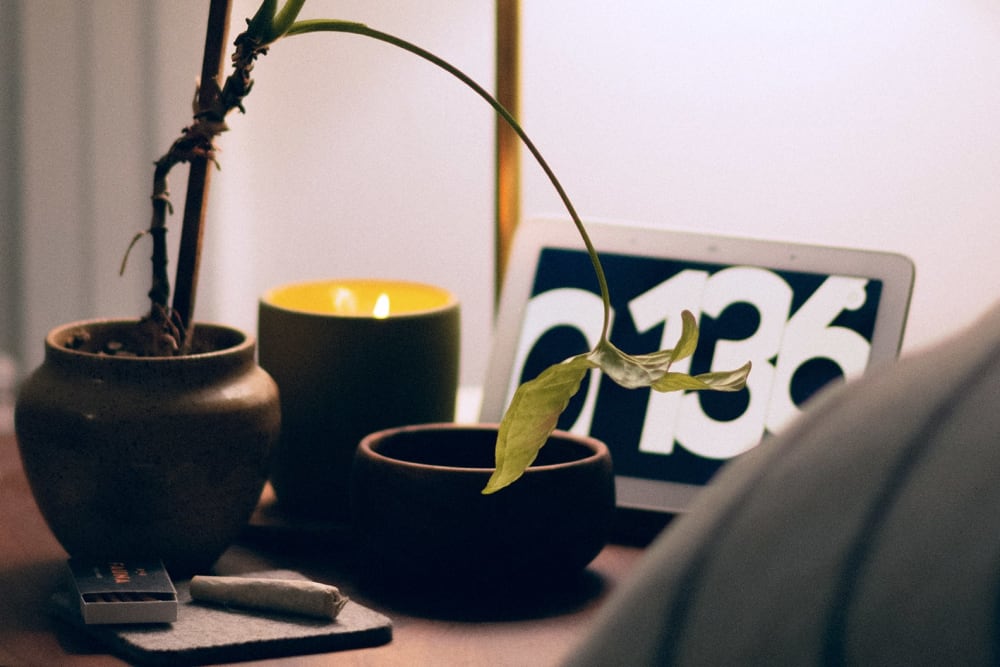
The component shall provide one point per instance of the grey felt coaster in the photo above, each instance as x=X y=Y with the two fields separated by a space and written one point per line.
x=206 y=634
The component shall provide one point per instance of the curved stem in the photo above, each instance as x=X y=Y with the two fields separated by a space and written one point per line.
x=327 y=25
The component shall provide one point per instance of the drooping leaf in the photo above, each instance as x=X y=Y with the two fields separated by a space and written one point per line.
x=535 y=408
x=634 y=371
x=631 y=371
x=715 y=381
x=688 y=342
x=531 y=417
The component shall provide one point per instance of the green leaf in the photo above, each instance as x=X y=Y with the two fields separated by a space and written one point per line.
x=715 y=381
x=532 y=416
x=535 y=408
x=688 y=342
x=644 y=370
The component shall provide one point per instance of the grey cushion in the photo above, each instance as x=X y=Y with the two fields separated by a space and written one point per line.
x=867 y=533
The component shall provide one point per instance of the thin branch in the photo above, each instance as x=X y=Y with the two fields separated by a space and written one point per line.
x=209 y=108
x=195 y=146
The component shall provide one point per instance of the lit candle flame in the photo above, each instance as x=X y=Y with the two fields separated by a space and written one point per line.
x=381 y=310
x=343 y=301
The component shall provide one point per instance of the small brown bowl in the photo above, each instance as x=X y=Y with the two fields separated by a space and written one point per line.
x=419 y=512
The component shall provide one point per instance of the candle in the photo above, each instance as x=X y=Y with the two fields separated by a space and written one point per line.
x=360 y=298
x=352 y=357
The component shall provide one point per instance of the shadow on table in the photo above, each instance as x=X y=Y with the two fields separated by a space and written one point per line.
x=332 y=559
x=26 y=590
x=491 y=601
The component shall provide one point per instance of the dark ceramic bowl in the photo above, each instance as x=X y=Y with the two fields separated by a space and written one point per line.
x=419 y=513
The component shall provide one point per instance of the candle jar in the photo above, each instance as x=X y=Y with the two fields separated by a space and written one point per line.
x=351 y=357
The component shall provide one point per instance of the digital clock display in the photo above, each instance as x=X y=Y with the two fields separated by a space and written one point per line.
x=801 y=331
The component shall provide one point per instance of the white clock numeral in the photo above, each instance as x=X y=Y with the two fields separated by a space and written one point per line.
x=565 y=306
x=680 y=292
x=778 y=347
x=809 y=334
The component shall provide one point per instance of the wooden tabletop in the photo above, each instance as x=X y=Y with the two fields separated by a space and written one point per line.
x=538 y=630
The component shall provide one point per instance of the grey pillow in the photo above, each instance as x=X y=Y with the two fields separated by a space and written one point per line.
x=867 y=533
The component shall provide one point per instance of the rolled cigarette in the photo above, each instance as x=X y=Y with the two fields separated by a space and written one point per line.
x=307 y=598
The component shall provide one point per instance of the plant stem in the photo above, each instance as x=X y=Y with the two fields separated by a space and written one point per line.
x=327 y=25
x=159 y=292
x=192 y=232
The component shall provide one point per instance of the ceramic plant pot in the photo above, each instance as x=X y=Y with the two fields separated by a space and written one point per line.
x=419 y=514
x=137 y=457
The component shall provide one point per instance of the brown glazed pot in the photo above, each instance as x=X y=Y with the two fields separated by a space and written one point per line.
x=147 y=457
x=419 y=515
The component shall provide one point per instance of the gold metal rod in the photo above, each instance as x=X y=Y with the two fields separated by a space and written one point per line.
x=508 y=147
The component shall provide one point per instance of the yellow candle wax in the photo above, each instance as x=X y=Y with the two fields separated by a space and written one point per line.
x=360 y=298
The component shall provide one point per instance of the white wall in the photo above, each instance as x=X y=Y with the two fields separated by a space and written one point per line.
x=846 y=122
x=90 y=123
x=354 y=158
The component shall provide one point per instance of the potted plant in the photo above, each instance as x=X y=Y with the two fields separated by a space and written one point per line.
x=79 y=452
